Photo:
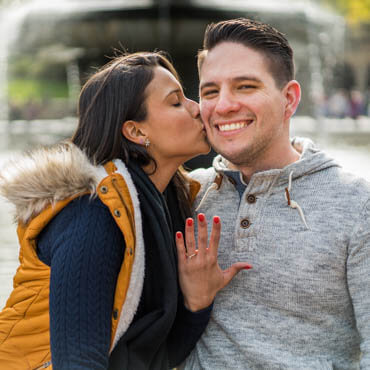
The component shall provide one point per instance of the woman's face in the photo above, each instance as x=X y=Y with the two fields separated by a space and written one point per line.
x=173 y=123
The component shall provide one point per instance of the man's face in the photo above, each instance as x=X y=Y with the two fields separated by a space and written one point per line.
x=242 y=108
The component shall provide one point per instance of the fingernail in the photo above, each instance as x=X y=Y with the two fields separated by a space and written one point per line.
x=247 y=267
x=216 y=219
x=178 y=235
x=189 y=222
x=201 y=217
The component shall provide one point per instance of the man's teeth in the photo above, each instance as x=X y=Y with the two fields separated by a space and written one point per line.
x=232 y=126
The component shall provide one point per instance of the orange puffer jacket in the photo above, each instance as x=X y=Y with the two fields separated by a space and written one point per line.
x=58 y=175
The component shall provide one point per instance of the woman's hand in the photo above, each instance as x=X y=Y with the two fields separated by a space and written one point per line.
x=200 y=275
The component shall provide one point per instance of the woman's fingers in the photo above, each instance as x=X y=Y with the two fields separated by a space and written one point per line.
x=202 y=234
x=200 y=275
x=215 y=236
x=181 y=250
x=233 y=270
x=190 y=238
x=201 y=247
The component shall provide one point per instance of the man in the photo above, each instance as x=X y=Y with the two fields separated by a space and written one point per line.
x=289 y=210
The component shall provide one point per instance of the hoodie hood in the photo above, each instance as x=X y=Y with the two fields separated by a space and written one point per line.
x=312 y=160
x=45 y=176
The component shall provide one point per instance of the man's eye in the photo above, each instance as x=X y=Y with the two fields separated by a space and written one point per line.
x=178 y=104
x=209 y=92
x=243 y=87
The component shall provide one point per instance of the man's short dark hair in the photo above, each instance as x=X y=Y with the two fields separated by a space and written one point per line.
x=255 y=35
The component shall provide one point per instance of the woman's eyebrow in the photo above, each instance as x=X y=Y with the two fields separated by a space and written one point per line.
x=177 y=90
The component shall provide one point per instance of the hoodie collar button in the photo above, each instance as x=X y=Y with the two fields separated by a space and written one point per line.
x=245 y=223
x=251 y=198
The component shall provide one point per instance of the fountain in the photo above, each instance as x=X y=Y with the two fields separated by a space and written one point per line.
x=59 y=44
x=10 y=21
x=70 y=36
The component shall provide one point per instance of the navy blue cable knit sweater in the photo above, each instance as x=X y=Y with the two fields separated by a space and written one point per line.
x=84 y=247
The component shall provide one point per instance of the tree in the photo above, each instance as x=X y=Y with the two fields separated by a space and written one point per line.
x=356 y=11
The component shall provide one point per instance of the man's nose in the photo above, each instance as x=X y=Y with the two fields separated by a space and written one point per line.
x=226 y=103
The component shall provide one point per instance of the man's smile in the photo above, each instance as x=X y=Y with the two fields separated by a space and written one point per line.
x=232 y=127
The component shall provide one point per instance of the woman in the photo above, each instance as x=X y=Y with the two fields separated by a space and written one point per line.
x=96 y=219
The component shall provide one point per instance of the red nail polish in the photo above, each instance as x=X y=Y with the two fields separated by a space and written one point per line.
x=247 y=267
x=178 y=235
x=216 y=219
x=201 y=217
x=189 y=222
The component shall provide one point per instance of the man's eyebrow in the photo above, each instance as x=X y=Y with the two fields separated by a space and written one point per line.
x=246 y=78
x=234 y=79
x=207 y=84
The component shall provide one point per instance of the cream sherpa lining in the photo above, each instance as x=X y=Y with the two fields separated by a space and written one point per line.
x=137 y=275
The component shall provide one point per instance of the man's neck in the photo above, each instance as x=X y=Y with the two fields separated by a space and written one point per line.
x=265 y=164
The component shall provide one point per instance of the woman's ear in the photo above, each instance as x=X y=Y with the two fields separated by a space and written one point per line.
x=131 y=131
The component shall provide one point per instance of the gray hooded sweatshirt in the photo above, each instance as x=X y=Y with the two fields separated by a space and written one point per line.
x=306 y=302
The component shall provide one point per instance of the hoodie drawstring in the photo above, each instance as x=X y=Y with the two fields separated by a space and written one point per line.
x=292 y=203
x=215 y=185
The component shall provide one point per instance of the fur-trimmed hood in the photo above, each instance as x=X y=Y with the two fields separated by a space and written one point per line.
x=45 y=176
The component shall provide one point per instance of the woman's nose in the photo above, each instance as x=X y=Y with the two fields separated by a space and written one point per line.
x=193 y=108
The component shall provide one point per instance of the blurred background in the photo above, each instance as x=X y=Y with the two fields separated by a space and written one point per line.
x=49 y=48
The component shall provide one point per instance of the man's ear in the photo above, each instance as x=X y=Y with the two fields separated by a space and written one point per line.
x=292 y=92
x=131 y=131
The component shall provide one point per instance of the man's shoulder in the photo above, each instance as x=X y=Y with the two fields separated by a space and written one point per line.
x=350 y=189
x=352 y=181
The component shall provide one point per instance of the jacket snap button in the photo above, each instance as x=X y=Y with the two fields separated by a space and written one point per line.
x=117 y=213
x=104 y=189
x=115 y=314
x=251 y=198
x=245 y=223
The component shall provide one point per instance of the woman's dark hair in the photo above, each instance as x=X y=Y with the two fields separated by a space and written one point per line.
x=113 y=95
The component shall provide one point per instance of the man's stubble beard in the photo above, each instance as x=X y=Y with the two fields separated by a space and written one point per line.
x=248 y=156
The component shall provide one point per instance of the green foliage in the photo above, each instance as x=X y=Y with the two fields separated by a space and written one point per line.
x=356 y=11
x=22 y=90
x=29 y=66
